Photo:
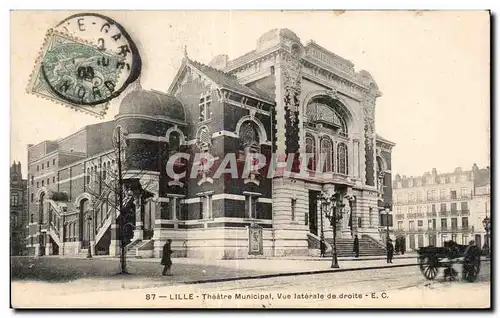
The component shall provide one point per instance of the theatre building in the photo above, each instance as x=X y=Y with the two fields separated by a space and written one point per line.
x=283 y=97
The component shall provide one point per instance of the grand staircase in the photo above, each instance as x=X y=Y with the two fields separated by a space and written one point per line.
x=132 y=248
x=367 y=247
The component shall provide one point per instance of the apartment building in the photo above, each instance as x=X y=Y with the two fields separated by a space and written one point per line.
x=437 y=207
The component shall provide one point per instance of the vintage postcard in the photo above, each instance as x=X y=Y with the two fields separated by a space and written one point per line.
x=250 y=159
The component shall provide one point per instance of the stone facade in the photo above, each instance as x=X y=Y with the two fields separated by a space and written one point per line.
x=279 y=101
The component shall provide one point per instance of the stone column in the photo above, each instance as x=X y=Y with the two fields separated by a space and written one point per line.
x=114 y=245
x=138 y=232
x=48 y=245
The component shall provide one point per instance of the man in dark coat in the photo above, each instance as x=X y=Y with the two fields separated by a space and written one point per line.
x=390 y=250
x=166 y=261
x=355 y=248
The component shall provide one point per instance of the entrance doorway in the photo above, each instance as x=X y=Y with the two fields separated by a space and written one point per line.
x=313 y=211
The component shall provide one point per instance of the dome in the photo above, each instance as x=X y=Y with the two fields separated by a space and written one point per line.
x=152 y=103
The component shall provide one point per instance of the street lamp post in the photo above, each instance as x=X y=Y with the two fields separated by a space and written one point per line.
x=487 y=228
x=322 y=198
x=89 y=221
x=334 y=213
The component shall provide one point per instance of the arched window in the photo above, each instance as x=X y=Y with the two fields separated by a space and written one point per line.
x=204 y=139
x=41 y=208
x=342 y=158
x=311 y=151
x=327 y=154
x=249 y=137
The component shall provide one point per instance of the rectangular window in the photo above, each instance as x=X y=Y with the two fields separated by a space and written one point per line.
x=412 y=225
x=48 y=164
x=434 y=195
x=360 y=223
x=465 y=222
x=14 y=199
x=294 y=203
x=205 y=108
x=306 y=220
x=454 y=206
x=53 y=179
x=53 y=162
x=48 y=181
x=419 y=197
x=32 y=180
x=442 y=194
x=464 y=239
x=444 y=223
x=43 y=165
x=429 y=195
x=454 y=237
x=32 y=197
x=32 y=218
x=443 y=207
x=464 y=206
x=454 y=223
x=420 y=223
x=400 y=225
x=433 y=224
x=37 y=184
x=42 y=183
x=464 y=192
x=37 y=168
x=434 y=208
x=453 y=194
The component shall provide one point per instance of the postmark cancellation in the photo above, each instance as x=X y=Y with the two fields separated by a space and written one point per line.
x=75 y=73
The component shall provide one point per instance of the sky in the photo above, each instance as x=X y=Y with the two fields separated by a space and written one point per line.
x=433 y=69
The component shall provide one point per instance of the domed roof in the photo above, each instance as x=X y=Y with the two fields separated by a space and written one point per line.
x=152 y=103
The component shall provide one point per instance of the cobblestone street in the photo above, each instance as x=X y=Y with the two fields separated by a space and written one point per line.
x=398 y=286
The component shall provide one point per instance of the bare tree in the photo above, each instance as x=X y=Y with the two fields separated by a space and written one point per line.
x=115 y=184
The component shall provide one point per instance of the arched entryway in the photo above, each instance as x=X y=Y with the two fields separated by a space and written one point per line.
x=84 y=235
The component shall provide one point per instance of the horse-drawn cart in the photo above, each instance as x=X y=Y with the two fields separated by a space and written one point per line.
x=431 y=258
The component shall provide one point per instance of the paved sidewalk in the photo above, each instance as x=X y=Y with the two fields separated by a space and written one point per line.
x=83 y=275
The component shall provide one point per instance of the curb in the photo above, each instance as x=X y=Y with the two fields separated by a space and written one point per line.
x=373 y=258
x=324 y=271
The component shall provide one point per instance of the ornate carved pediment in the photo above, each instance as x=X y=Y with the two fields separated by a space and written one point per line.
x=332 y=93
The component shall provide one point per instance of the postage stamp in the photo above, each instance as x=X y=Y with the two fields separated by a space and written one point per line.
x=85 y=62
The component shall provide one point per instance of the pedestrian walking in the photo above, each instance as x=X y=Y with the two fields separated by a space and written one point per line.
x=166 y=261
x=390 y=250
x=322 y=247
x=355 y=248
x=402 y=248
x=397 y=245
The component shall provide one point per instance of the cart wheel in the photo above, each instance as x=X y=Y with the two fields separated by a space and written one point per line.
x=429 y=267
